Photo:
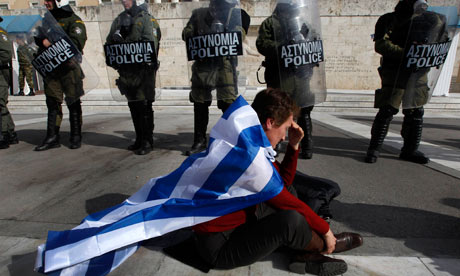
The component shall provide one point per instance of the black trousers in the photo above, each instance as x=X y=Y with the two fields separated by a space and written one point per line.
x=269 y=230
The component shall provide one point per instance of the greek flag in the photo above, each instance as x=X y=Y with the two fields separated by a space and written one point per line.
x=235 y=172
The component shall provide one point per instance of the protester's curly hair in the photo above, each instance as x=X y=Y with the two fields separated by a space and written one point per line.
x=276 y=104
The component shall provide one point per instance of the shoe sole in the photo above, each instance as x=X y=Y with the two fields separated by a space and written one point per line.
x=325 y=269
x=52 y=147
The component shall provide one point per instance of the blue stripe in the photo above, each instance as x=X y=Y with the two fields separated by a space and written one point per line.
x=165 y=185
x=239 y=102
x=101 y=265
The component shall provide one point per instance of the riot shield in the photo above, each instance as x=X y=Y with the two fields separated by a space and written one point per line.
x=131 y=47
x=214 y=38
x=426 y=43
x=58 y=60
x=300 y=55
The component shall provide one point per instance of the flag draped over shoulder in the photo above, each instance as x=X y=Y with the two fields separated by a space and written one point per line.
x=234 y=172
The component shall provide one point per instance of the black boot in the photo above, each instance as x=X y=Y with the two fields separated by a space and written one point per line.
x=379 y=132
x=412 y=134
x=13 y=138
x=201 y=119
x=135 y=108
x=75 y=118
x=4 y=140
x=52 y=131
x=304 y=121
x=146 y=123
x=31 y=93
x=51 y=140
x=20 y=93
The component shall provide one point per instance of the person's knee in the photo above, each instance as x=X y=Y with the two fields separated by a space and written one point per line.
x=292 y=220
x=386 y=113
x=415 y=113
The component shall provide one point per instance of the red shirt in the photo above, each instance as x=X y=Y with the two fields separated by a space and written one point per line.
x=283 y=201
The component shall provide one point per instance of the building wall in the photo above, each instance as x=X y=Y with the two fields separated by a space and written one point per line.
x=347 y=25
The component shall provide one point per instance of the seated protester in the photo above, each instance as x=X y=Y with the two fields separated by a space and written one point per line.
x=246 y=236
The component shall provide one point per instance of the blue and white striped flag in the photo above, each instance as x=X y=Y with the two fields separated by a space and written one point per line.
x=235 y=172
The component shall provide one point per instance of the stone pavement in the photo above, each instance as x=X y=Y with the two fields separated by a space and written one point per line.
x=409 y=214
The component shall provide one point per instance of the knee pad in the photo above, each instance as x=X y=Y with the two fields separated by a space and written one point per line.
x=415 y=113
x=305 y=111
x=222 y=105
x=387 y=113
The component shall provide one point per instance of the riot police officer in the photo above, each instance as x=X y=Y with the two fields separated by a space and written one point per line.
x=137 y=81
x=286 y=27
x=25 y=56
x=7 y=135
x=68 y=80
x=409 y=24
x=210 y=73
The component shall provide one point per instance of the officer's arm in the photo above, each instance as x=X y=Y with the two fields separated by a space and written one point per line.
x=383 y=44
x=113 y=28
x=77 y=33
x=156 y=26
x=189 y=28
x=265 y=42
x=6 y=50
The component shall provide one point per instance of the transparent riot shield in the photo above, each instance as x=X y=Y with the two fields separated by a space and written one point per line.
x=299 y=48
x=58 y=61
x=426 y=43
x=214 y=38
x=131 y=47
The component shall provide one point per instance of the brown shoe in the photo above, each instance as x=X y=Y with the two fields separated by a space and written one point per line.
x=317 y=264
x=347 y=241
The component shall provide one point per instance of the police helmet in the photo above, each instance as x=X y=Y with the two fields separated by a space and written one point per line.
x=287 y=7
x=224 y=2
x=61 y=3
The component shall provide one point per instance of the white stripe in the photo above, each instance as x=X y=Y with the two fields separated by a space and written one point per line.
x=120 y=213
x=247 y=184
x=122 y=254
x=239 y=120
x=78 y=269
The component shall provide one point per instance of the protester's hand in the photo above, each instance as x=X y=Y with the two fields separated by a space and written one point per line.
x=330 y=241
x=46 y=43
x=295 y=134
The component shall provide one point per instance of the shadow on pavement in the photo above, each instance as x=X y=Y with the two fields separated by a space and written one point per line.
x=23 y=265
x=103 y=202
x=452 y=202
x=432 y=234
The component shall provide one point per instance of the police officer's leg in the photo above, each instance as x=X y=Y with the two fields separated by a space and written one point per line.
x=21 y=83
x=304 y=121
x=30 y=80
x=72 y=85
x=146 y=125
x=54 y=98
x=75 y=118
x=54 y=121
x=201 y=119
x=379 y=132
x=412 y=134
x=6 y=122
x=135 y=108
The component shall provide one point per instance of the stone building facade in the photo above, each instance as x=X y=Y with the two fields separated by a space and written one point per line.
x=347 y=26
